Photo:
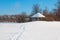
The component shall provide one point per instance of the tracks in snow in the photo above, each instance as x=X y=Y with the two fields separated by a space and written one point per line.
x=19 y=34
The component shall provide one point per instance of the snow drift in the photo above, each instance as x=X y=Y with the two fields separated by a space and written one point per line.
x=38 y=30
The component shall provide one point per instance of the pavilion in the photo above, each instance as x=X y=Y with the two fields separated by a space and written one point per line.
x=37 y=16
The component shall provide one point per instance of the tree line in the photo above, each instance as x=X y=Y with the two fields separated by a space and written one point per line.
x=54 y=15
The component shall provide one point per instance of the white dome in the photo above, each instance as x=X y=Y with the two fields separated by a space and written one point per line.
x=38 y=15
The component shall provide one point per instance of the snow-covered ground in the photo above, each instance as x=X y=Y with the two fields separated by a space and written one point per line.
x=37 y=30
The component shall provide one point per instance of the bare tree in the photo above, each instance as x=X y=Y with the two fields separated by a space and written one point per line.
x=22 y=17
x=45 y=12
x=36 y=9
x=58 y=9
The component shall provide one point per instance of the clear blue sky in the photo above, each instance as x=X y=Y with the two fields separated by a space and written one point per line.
x=17 y=6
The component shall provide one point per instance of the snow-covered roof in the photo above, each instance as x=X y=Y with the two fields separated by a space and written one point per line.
x=38 y=15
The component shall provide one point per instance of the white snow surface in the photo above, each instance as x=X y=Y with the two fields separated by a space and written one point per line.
x=37 y=30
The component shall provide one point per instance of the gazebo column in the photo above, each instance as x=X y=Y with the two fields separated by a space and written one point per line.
x=38 y=19
x=41 y=18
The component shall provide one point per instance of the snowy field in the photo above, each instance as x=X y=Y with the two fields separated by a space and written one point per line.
x=38 y=30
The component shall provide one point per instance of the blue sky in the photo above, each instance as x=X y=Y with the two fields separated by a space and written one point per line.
x=9 y=7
